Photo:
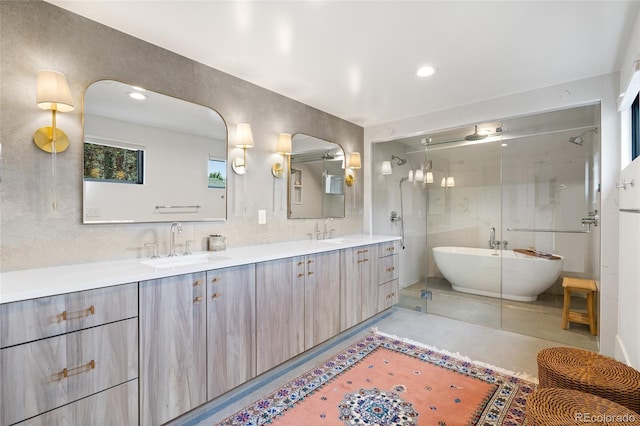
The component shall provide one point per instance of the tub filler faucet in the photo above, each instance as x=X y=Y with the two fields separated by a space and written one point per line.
x=493 y=244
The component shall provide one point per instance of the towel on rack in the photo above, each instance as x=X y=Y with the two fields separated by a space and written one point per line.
x=535 y=253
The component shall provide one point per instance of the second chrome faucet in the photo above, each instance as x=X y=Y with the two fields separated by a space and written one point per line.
x=175 y=227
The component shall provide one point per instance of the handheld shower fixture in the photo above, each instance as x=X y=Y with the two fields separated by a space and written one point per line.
x=401 y=161
x=578 y=140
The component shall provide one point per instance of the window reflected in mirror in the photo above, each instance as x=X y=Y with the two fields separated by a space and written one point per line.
x=171 y=154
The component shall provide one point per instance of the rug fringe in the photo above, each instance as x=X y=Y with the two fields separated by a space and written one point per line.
x=520 y=375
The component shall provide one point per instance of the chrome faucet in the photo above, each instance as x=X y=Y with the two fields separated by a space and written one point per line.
x=328 y=231
x=172 y=237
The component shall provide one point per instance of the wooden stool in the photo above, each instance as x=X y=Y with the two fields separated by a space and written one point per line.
x=587 y=371
x=564 y=407
x=579 y=285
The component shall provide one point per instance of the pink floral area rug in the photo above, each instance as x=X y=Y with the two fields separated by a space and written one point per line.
x=385 y=380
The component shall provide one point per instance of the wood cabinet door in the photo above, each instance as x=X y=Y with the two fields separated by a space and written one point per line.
x=172 y=347
x=231 y=328
x=366 y=260
x=279 y=311
x=350 y=289
x=322 y=295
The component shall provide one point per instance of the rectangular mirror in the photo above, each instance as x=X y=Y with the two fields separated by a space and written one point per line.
x=316 y=178
x=149 y=157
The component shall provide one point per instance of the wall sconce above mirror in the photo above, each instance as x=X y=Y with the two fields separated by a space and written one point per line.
x=160 y=159
x=316 y=179
x=244 y=140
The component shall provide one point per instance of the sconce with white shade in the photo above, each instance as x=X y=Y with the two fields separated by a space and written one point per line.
x=428 y=177
x=244 y=140
x=355 y=163
x=283 y=147
x=52 y=94
x=386 y=168
x=410 y=176
x=418 y=176
x=448 y=182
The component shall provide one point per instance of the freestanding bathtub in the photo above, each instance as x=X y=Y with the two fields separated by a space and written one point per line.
x=478 y=271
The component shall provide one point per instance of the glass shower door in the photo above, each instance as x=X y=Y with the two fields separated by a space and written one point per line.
x=463 y=207
x=549 y=184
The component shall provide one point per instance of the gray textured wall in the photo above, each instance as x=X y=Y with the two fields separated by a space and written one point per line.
x=36 y=35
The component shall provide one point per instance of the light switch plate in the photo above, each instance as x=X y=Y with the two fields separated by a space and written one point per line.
x=262 y=217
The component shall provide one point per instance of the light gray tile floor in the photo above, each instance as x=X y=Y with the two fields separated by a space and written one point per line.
x=501 y=348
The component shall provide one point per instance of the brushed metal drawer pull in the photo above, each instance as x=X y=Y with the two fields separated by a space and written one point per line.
x=391 y=248
x=215 y=279
x=198 y=282
x=66 y=372
x=91 y=310
x=310 y=273
x=300 y=263
x=309 y=261
x=216 y=295
x=198 y=299
x=391 y=269
x=300 y=275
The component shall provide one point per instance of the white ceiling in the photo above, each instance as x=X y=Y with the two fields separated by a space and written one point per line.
x=358 y=59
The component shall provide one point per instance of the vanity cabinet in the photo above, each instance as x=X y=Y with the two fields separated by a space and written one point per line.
x=387 y=274
x=51 y=369
x=173 y=347
x=231 y=328
x=321 y=290
x=359 y=291
x=279 y=311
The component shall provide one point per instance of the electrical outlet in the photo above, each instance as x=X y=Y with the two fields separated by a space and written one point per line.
x=262 y=217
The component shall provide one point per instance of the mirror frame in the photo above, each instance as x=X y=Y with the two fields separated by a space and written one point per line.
x=290 y=200
x=181 y=214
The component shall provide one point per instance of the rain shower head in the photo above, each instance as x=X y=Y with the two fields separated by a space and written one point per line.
x=578 y=140
x=475 y=136
x=401 y=161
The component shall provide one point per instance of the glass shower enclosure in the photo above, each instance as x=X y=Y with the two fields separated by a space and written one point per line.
x=490 y=206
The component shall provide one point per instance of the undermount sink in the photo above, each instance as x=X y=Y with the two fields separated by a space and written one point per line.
x=177 y=261
x=332 y=241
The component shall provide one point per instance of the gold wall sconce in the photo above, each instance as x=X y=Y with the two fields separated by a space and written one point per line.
x=283 y=147
x=355 y=163
x=52 y=93
x=244 y=140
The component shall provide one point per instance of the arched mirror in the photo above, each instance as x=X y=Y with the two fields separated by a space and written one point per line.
x=316 y=178
x=149 y=157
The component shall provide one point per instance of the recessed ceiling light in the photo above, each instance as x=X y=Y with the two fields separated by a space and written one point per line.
x=137 y=96
x=426 y=71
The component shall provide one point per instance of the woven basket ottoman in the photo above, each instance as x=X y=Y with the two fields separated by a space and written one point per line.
x=587 y=371
x=560 y=407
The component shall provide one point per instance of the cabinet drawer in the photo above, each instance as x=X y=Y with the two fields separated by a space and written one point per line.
x=34 y=319
x=48 y=373
x=388 y=249
x=387 y=269
x=387 y=295
x=117 y=406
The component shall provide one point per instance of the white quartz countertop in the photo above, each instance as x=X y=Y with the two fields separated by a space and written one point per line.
x=41 y=282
